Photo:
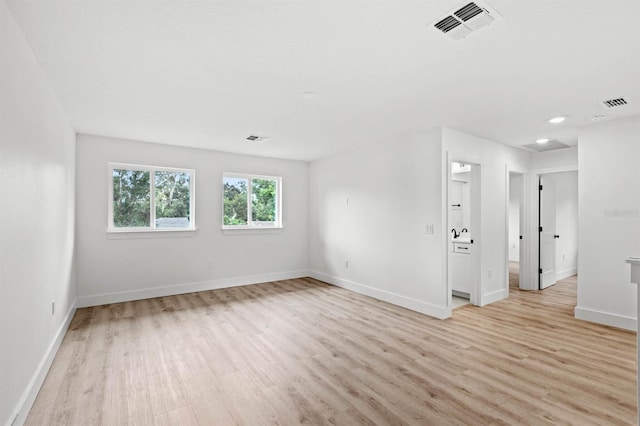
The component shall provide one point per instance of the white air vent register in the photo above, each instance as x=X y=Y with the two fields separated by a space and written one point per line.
x=613 y=103
x=466 y=19
x=257 y=139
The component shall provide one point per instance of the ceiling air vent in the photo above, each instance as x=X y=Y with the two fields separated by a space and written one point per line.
x=612 y=103
x=548 y=146
x=463 y=20
x=453 y=28
x=257 y=139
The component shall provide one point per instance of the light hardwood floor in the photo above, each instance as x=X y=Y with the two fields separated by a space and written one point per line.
x=301 y=351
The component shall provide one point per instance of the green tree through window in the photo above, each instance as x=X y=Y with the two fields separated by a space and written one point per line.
x=173 y=199
x=148 y=198
x=251 y=201
x=263 y=202
x=235 y=201
x=131 y=198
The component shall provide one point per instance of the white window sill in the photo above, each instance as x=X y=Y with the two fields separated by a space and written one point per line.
x=121 y=234
x=252 y=230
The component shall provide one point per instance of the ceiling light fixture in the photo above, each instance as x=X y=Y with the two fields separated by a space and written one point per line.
x=597 y=118
x=542 y=140
x=558 y=119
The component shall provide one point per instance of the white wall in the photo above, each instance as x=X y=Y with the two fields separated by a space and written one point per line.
x=566 y=223
x=515 y=199
x=393 y=190
x=37 y=163
x=556 y=160
x=609 y=221
x=112 y=268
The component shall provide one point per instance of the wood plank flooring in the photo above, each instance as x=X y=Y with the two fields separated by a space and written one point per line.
x=301 y=351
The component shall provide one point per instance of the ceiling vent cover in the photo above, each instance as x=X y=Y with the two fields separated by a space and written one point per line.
x=465 y=19
x=613 y=103
x=549 y=146
x=447 y=24
x=257 y=139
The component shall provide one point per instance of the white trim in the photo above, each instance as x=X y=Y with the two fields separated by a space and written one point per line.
x=171 y=290
x=151 y=233
x=440 y=312
x=494 y=296
x=475 y=219
x=523 y=251
x=560 y=275
x=252 y=231
x=558 y=169
x=606 y=318
x=27 y=399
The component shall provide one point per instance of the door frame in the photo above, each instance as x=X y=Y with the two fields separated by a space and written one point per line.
x=533 y=264
x=546 y=180
x=475 y=297
x=524 y=237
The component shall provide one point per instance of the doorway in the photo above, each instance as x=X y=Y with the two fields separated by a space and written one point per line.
x=557 y=227
x=463 y=220
x=516 y=228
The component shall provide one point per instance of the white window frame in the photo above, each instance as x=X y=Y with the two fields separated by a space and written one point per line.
x=111 y=228
x=255 y=225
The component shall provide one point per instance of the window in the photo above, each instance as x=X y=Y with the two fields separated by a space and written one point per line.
x=251 y=201
x=147 y=198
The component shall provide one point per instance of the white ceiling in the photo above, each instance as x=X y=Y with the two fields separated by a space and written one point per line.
x=210 y=73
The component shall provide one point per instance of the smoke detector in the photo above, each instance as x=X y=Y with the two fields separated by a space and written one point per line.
x=257 y=139
x=614 y=103
x=466 y=19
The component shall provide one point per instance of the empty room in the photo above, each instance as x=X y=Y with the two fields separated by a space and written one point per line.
x=218 y=212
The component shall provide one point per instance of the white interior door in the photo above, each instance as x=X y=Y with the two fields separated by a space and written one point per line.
x=475 y=198
x=547 y=232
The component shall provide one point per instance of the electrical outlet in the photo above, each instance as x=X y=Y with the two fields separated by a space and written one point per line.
x=346 y=263
x=53 y=307
x=428 y=229
x=346 y=201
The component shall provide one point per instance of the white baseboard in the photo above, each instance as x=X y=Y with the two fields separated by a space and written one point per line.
x=31 y=392
x=440 y=312
x=494 y=296
x=560 y=275
x=126 y=296
x=606 y=318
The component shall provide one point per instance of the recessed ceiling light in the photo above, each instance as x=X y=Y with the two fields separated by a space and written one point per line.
x=558 y=119
x=542 y=140
x=597 y=118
